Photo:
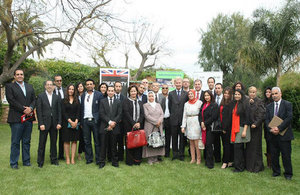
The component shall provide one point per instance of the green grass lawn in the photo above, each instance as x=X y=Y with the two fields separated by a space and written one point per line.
x=168 y=177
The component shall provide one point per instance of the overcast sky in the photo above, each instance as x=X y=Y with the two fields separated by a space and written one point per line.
x=181 y=21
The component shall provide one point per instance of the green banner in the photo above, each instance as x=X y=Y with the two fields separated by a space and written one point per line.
x=169 y=74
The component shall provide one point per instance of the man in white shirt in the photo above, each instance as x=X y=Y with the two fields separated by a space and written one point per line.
x=155 y=88
x=146 y=84
x=199 y=92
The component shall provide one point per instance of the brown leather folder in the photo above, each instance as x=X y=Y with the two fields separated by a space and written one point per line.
x=275 y=122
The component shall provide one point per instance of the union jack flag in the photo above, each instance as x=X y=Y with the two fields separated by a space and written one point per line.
x=114 y=73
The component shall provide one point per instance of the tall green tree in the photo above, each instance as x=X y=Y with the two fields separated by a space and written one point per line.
x=221 y=42
x=275 y=46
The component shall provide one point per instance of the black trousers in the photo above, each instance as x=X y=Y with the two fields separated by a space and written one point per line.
x=134 y=156
x=167 y=129
x=81 y=147
x=209 y=160
x=217 y=146
x=108 y=142
x=285 y=148
x=227 y=148
x=120 y=146
x=177 y=151
x=60 y=146
x=42 y=145
x=88 y=128
x=239 y=156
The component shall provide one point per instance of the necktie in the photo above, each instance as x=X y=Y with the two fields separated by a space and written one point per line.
x=276 y=109
x=58 y=92
x=218 y=100
x=197 y=95
x=156 y=98
x=178 y=95
x=110 y=104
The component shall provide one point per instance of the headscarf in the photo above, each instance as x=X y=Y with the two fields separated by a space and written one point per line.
x=153 y=104
x=193 y=101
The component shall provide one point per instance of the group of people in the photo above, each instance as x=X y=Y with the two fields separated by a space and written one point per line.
x=202 y=118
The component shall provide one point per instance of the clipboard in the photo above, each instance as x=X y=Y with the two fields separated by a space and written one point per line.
x=25 y=117
x=275 y=122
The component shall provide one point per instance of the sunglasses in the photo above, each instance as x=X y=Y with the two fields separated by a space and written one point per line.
x=165 y=88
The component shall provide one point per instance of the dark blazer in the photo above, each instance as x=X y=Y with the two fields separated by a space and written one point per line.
x=127 y=119
x=122 y=97
x=95 y=107
x=144 y=99
x=257 y=112
x=226 y=117
x=285 y=112
x=163 y=103
x=201 y=95
x=106 y=115
x=176 y=107
x=210 y=114
x=64 y=91
x=45 y=111
x=17 y=101
x=245 y=116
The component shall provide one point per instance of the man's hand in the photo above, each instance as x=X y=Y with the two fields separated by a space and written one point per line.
x=58 y=126
x=42 y=128
x=27 y=110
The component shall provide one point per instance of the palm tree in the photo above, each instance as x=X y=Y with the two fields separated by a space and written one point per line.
x=275 y=36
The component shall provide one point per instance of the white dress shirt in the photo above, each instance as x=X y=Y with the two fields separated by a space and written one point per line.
x=88 y=105
x=49 y=96
x=167 y=112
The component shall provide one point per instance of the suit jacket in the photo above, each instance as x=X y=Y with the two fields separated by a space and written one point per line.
x=210 y=114
x=95 y=106
x=64 y=91
x=201 y=95
x=163 y=103
x=176 y=107
x=17 y=100
x=285 y=112
x=45 y=111
x=122 y=97
x=127 y=120
x=144 y=99
x=106 y=115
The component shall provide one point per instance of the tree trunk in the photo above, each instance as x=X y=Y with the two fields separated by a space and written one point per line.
x=140 y=70
x=278 y=73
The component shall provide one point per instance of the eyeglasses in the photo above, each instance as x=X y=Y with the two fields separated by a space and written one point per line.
x=19 y=74
x=165 y=87
x=58 y=80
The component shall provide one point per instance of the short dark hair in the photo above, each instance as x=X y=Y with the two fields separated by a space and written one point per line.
x=211 y=78
x=130 y=87
x=57 y=76
x=89 y=79
x=111 y=86
x=219 y=84
x=117 y=82
x=212 y=98
x=47 y=81
x=18 y=70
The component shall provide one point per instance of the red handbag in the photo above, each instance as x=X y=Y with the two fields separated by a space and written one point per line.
x=136 y=139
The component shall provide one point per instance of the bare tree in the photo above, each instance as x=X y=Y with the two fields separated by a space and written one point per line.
x=62 y=21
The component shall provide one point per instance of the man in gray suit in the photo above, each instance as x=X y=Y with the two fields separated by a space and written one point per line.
x=177 y=99
x=48 y=108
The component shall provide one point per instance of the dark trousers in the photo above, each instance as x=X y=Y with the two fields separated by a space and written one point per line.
x=120 y=146
x=20 y=132
x=81 y=147
x=285 y=148
x=88 y=128
x=42 y=145
x=60 y=146
x=108 y=137
x=209 y=160
x=239 y=156
x=175 y=132
x=227 y=148
x=217 y=146
x=167 y=129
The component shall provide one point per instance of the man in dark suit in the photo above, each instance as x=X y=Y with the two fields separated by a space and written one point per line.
x=164 y=102
x=177 y=99
x=199 y=91
x=90 y=102
x=280 y=143
x=217 y=135
x=155 y=88
x=60 y=91
x=211 y=84
x=21 y=99
x=141 y=93
x=48 y=108
x=110 y=116
x=120 y=136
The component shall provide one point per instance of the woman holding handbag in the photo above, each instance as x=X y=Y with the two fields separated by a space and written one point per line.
x=154 y=117
x=240 y=132
x=133 y=119
x=191 y=126
x=208 y=114
x=70 y=116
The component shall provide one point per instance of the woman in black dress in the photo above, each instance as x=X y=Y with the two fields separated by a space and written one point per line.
x=208 y=114
x=70 y=116
x=240 y=132
x=81 y=147
x=268 y=99
x=133 y=118
x=225 y=118
x=103 y=89
x=254 y=159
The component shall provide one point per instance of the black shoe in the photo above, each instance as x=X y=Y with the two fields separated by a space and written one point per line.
x=181 y=158
x=61 y=158
x=55 y=163
x=236 y=171
x=14 y=166
x=89 y=162
x=40 y=165
x=115 y=165
x=275 y=174
x=288 y=177
x=101 y=165
x=27 y=165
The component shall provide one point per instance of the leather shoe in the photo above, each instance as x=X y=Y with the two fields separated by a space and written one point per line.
x=275 y=174
x=236 y=171
x=14 y=167
x=101 y=165
x=27 y=165
x=115 y=165
x=55 y=163
x=181 y=158
x=40 y=165
x=89 y=162
x=61 y=158
x=288 y=177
